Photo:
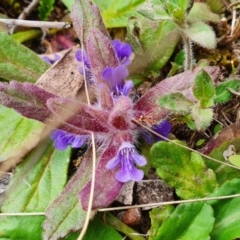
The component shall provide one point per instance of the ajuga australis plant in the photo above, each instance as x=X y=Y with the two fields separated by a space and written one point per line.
x=104 y=64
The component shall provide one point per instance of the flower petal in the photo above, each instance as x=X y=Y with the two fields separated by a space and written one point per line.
x=78 y=141
x=123 y=51
x=113 y=162
x=163 y=128
x=62 y=139
x=138 y=159
x=82 y=56
x=127 y=87
x=126 y=174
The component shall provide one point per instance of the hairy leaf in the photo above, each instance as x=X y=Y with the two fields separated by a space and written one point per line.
x=189 y=221
x=45 y=8
x=15 y=132
x=226 y=212
x=86 y=16
x=175 y=102
x=179 y=83
x=153 y=10
x=35 y=184
x=202 y=117
x=107 y=187
x=202 y=12
x=26 y=98
x=203 y=89
x=82 y=118
x=101 y=53
x=65 y=214
x=201 y=34
x=154 y=44
x=17 y=62
x=168 y=158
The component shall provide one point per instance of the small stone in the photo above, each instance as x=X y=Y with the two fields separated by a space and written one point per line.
x=132 y=217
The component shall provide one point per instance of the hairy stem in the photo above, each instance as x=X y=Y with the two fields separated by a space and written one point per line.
x=188 y=52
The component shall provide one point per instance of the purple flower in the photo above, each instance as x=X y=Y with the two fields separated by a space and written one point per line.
x=127 y=156
x=123 y=51
x=163 y=128
x=62 y=139
x=115 y=78
x=51 y=61
x=82 y=57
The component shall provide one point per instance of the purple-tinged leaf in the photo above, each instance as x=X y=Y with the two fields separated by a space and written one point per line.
x=179 y=83
x=226 y=135
x=27 y=99
x=105 y=98
x=82 y=118
x=107 y=187
x=101 y=53
x=65 y=213
x=85 y=16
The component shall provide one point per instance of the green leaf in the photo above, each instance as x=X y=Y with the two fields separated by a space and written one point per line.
x=201 y=34
x=201 y=12
x=154 y=10
x=158 y=216
x=116 y=13
x=38 y=180
x=224 y=173
x=65 y=214
x=153 y=46
x=223 y=94
x=45 y=8
x=179 y=16
x=43 y=180
x=97 y=229
x=202 y=117
x=24 y=36
x=68 y=4
x=21 y=227
x=18 y=62
x=217 y=6
x=194 y=180
x=226 y=212
x=189 y=221
x=176 y=102
x=235 y=160
x=203 y=89
x=16 y=132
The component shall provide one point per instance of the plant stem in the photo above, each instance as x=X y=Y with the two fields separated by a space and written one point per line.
x=188 y=52
x=121 y=227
